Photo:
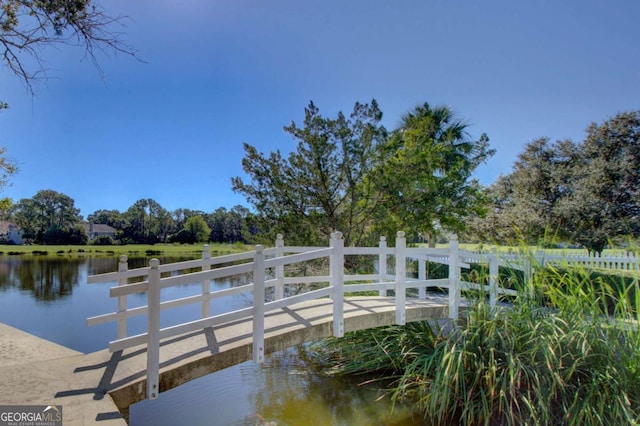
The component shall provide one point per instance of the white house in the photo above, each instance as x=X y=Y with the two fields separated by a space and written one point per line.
x=94 y=230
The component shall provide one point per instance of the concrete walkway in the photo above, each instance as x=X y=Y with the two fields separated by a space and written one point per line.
x=33 y=371
x=99 y=387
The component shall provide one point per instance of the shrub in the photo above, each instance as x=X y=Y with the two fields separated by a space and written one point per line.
x=183 y=237
x=103 y=240
x=56 y=235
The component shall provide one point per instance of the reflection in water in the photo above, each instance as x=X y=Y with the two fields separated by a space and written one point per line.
x=283 y=391
x=52 y=278
x=49 y=278
x=46 y=279
x=294 y=393
x=101 y=265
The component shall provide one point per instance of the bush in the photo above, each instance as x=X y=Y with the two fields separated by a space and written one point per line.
x=183 y=237
x=103 y=240
x=56 y=235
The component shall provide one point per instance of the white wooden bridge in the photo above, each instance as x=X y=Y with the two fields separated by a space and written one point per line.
x=100 y=386
x=332 y=304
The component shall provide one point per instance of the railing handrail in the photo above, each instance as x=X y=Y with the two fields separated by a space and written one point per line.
x=169 y=267
x=274 y=259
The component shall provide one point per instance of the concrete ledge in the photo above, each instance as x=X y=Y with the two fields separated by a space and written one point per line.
x=18 y=347
x=33 y=371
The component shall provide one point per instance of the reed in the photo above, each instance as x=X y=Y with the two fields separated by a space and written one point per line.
x=566 y=350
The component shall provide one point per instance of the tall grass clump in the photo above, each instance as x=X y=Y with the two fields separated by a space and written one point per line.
x=566 y=350
x=378 y=353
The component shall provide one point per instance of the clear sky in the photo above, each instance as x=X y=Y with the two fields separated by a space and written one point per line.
x=217 y=73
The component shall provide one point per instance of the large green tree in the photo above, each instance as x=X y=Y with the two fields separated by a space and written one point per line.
x=584 y=193
x=197 y=227
x=425 y=173
x=320 y=186
x=48 y=212
x=147 y=222
x=604 y=203
x=112 y=218
x=524 y=205
x=230 y=226
x=181 y=215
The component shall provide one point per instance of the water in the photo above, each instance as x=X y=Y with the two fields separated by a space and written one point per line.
x=49 y=297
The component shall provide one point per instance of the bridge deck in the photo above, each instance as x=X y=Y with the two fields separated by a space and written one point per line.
x=87 y=386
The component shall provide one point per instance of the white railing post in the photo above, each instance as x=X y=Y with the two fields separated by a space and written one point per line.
x=493 y=277
x=122 y=300
x=382 y=265
x=422 y=276
x=336 y=266
x=279 y=289
x=206 y=284
x=528 y=274
x=401 y=277
x=258 y=305
x=454 y=277
x=153 y=330
x=541 y=258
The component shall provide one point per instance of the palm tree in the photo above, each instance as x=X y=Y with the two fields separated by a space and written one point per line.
x=426 y=171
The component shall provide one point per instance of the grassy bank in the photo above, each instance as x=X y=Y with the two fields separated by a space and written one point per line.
x=194 y=250
x=566 y=353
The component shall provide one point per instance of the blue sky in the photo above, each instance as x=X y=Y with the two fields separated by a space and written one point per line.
x=217 y=73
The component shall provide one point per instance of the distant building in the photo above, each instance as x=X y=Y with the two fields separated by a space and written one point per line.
x=94 y=230
x=10 y=233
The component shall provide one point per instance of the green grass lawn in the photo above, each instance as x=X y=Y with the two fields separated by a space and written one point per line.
x=194 y=250
x=217 y=248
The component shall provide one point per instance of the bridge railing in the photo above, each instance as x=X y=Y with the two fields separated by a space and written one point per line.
x=267 y=268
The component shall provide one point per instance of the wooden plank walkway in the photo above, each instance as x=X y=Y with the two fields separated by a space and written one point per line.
x=99 y=387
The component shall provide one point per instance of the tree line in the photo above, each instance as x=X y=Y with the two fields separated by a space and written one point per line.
x=350 y=174
x=50 y=217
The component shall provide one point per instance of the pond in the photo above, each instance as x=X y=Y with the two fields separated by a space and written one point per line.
x=49 y=297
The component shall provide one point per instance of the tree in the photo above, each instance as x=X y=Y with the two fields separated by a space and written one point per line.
x=48 y=216
x=28 y=26
x=197 y=228
x=56 y=235
x=27 y=217
x=7 y=168
x=112 y=218
x=147 y=222
x=230 y=226
x=6 y=205
x=320 y=187
x=585 y=193
x=56 y=209
x=524 y=205
x=605 y=198
x=180 y=216
x=425 y=172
